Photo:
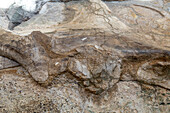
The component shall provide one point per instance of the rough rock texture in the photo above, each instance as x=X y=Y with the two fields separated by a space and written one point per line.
x=49 y=15
x=3 y=19
x=7 y=63
x=16 y=15
x=73 y=15
x=95 y=58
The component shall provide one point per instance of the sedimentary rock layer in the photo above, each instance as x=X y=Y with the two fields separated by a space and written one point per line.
x=93 y=59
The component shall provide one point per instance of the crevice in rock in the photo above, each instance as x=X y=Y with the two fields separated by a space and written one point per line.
x=143 y=82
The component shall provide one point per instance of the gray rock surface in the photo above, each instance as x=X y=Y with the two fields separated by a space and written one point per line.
x=16 y=15
x=49 y=15
x=6 y=63
x=3 y=19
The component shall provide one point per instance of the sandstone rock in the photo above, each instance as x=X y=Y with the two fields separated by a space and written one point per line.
x=73 y=15
x=88 y=63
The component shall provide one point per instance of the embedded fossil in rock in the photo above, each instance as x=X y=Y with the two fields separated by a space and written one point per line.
x=155 y=72
x=86 y=65
x=96 y=62
x=95 y=68
x=93 y=54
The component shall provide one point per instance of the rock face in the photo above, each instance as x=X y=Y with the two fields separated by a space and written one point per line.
x=3 y=19
x=92 y=58
x=49 y=15
x=16 y=15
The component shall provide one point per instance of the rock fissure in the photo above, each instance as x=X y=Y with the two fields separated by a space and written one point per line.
x=143 y=82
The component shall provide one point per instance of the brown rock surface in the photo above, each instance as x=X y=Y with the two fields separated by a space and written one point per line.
x=97 y=59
